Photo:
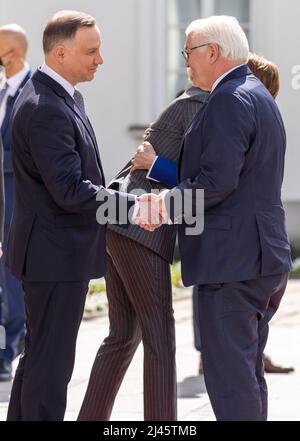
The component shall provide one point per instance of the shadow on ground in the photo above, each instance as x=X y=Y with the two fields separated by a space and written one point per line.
x=5 y=389
x=191 y=387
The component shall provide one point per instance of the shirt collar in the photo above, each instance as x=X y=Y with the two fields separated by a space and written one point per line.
x=218 y=80
x=58 y=78
x=15 y=81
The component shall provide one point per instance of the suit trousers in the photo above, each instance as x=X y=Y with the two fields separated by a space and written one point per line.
x=234 y=321
x=196 y=319
x=53 y=315
x=140 y=308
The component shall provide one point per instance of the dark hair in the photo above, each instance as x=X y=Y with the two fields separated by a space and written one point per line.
x=266 y=71
x=63 y=26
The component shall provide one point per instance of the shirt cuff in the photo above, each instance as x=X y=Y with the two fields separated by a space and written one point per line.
x=148 y=176
x=136 y=209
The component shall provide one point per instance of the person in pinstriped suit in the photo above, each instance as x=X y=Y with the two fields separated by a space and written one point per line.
x=139 y=288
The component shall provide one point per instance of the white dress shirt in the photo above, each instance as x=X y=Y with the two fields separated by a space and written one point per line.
x=58 y=78
x=218 y=80
x=13 y=85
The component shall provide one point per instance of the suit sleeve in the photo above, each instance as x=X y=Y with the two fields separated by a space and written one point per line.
x=53 y=148
x=226 y=132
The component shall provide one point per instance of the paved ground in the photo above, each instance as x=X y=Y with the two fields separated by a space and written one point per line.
x=193 y=403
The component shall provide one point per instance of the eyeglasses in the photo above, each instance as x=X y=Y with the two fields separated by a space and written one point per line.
x=186 y=52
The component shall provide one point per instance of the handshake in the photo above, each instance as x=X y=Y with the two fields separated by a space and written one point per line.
x=152 y=212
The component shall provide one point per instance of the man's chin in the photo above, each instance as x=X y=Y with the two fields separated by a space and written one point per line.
x=88 y=77
x=91 y=75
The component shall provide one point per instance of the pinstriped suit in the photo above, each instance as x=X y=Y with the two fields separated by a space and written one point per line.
x=139 y=289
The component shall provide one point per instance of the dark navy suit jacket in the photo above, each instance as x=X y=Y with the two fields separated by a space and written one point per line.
x=54 y=236
x=234 y=150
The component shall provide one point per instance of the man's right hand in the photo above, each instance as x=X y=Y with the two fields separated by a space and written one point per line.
x=143 y=158
x=152 y=213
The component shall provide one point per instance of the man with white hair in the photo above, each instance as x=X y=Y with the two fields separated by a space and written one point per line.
x=13 y=49
x=233 y=150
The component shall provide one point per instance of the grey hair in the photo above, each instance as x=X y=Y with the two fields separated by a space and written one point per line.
x=226 y=32
x=17 y=33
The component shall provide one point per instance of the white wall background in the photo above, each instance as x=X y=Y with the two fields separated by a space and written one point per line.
x=113 y=99
x=276 y=33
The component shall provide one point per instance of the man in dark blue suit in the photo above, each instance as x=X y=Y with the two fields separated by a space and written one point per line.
x=234 y=151
x=55 y=243
x=2 y=306
x=13 y=49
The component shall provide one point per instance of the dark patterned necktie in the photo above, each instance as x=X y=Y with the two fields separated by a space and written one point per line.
x=78 y=98
x=3 y=92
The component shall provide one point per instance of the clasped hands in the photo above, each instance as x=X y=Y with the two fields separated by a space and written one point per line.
x=152 y=211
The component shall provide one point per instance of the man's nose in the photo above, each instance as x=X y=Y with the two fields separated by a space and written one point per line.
x=100 y=60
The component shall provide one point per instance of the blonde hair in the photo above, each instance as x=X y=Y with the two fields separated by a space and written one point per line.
x=266 y=71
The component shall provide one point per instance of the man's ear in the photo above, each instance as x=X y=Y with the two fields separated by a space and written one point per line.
x=59 y=53
x=214 y=53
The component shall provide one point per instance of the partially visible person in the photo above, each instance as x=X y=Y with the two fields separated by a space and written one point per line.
x=2 y=199
x=2 y=305
x=13 y=50
x=2 y=316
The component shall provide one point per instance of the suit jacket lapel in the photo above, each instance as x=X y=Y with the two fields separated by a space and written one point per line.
x=70 y=102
